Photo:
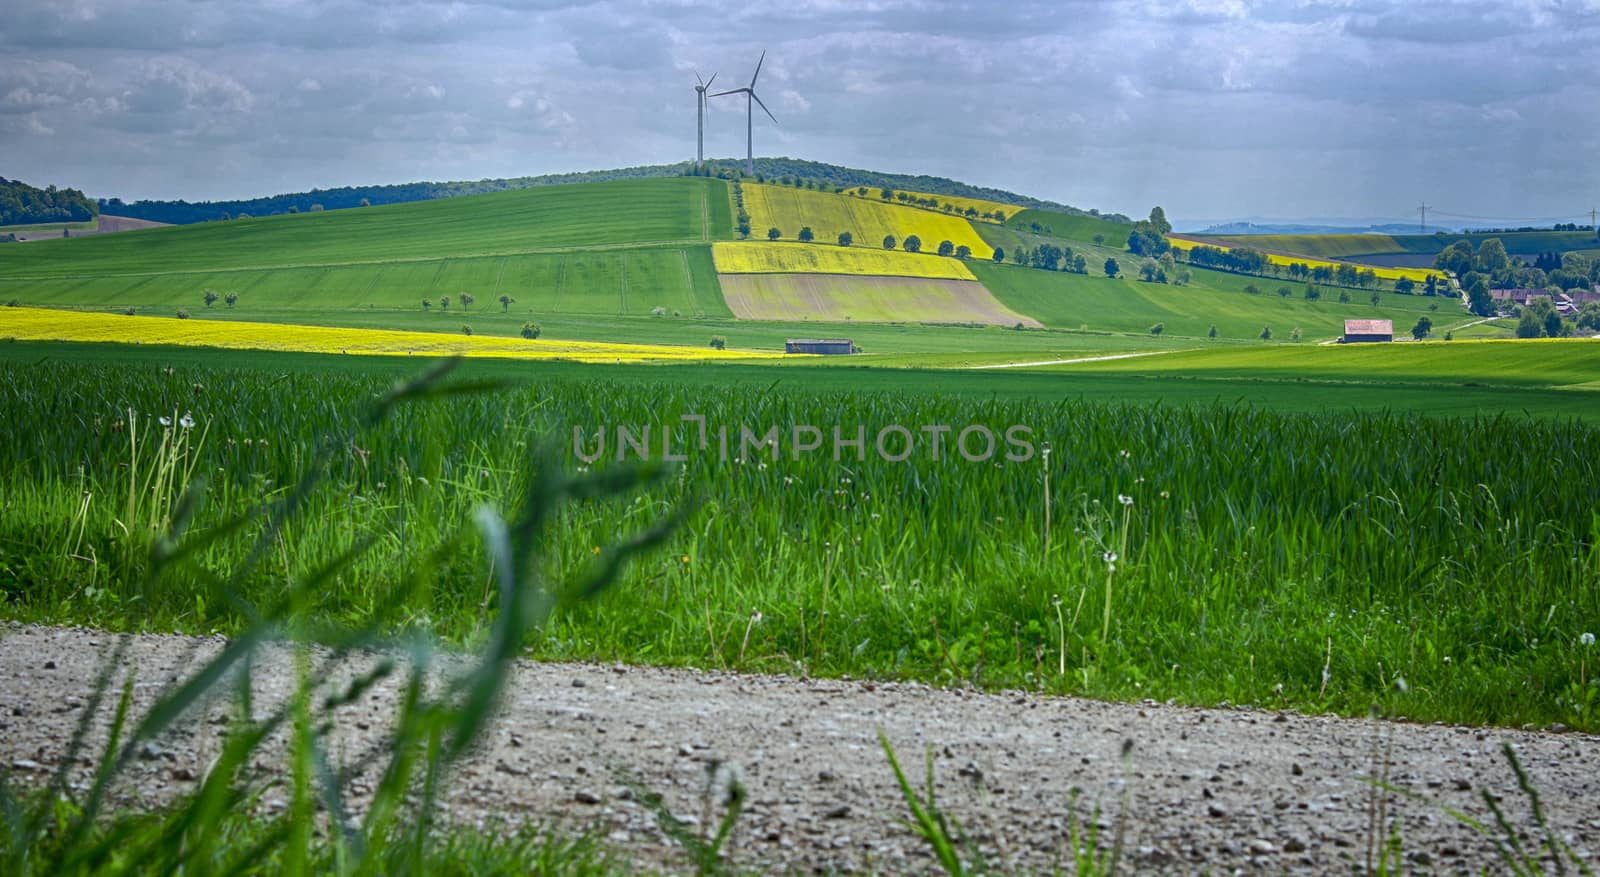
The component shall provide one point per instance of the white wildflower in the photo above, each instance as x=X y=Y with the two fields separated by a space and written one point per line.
x=1586 y=640
x=1124 y=499
x=187 y=421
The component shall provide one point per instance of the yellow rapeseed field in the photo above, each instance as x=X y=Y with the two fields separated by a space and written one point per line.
x=960 y=204
x=867 y=219
x=1420 y=275
x=38 y=324
x=751 y=257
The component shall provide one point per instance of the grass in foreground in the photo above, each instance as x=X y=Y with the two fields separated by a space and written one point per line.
x=1260 y=550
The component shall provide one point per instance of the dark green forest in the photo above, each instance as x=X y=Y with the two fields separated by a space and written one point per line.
x=22 y=204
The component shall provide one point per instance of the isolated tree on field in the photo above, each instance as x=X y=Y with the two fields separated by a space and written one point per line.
x=1344 y=296
x=1112 y=268
x=531 y=330
x=1213 y=333
x=1313 y=293
x=1158 y=328
x=505 y=302
x=183 y=314
x=806 y=235
x=1284 y=292
x=427 y=304
x=888 y=242
x=211 y=297
x=1099 y=240
x=1405 y=286
x=719 y=342
x=846 y=239
x=1181 y=278
x=773 y=234
x=999 y=256
x=465 y=329
x=1377 y=298
x=231 y=299
x=466 y=300
x=999 y=216
x=1252 y=289
x=946 y=248
x=1147 y=271
x=1266 y=333
x=444 y=302
x=1529 y=326
x=1422 y=328
x=963 y=252
x=913 y=244
x=886 y=193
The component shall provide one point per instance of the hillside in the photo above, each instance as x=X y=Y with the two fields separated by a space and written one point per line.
x=560 y=217
x=656 y=261
x=186 y=212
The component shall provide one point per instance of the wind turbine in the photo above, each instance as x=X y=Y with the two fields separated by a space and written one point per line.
x=700 y=109
x=749 y=93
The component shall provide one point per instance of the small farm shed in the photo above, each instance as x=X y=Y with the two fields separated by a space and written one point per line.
x=1366 y=331
x=828 y=346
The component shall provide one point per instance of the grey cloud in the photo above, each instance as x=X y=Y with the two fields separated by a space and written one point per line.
x=1210 y=106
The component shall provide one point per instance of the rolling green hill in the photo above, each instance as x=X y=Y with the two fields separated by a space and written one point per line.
x=1071 y=227
x=1122 y=304
x=679 y=210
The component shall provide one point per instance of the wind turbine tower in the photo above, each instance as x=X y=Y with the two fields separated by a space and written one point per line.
x=750 y=96
x=700 y=114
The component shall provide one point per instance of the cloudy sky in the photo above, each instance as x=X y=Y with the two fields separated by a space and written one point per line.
x=1213 y=108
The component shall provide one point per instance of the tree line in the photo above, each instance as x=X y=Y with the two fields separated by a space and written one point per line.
x=22 y=204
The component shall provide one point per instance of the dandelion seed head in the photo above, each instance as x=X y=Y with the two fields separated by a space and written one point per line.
x=1124 y=499
x=187 y=421
x=164 y=421
x=1586 y=640
x=1110 y=557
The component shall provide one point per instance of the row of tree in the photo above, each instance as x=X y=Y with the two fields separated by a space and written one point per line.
x=912 y=243
x=22 y=204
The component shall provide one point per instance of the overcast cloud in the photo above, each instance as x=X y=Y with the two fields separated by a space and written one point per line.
x=1213 y=108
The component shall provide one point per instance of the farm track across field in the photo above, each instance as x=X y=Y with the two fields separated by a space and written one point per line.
x=1220 y=789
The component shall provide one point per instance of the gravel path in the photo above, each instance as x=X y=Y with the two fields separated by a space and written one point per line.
x=1231 y=791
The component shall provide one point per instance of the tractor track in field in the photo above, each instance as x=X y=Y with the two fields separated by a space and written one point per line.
x=1224 y=790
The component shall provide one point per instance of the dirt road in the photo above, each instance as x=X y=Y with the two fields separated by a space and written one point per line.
x=1246 y=791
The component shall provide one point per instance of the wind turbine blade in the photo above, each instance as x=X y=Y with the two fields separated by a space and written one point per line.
x=731 y=91
x=711 y=80
x=758 y=68
x=699 y=80
x=764 y=109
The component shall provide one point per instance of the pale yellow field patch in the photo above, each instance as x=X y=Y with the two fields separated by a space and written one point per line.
x=39 y=324
x=837 y=298
x=959 y=204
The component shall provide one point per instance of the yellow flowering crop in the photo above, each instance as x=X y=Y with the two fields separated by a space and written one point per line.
x=867 y=219
x=1420 y=275
x=750 y=257
x=960 y=204
x=38 y=324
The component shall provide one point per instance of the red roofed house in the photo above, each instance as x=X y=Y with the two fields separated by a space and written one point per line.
x=1364 y=331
